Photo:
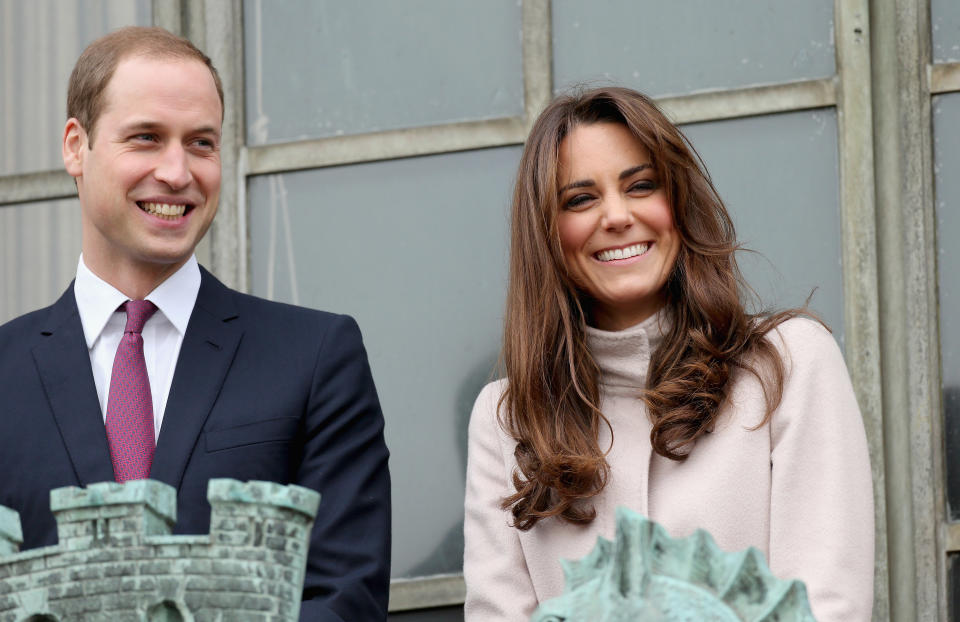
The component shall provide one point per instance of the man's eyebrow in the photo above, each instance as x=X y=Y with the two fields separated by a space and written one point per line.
x=207 y=129
x=586 y=183
x=135 y=126
x=141 y=125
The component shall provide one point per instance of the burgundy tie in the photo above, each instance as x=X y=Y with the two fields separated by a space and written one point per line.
x=130 y=404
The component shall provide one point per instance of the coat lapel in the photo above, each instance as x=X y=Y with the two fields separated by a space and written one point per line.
x=63 y=361
x=209 y=345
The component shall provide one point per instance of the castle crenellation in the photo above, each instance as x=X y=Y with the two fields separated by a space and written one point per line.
x=116 y=559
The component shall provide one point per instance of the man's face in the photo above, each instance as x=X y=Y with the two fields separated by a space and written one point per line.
x=149 y=181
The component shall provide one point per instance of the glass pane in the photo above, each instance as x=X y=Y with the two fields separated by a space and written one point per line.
x=416 y=250
x=40 y=42
x=946 y=154
x=320 y=68
x=945 y=19
x=778 y=177
x=676 y=47
x=39 y=249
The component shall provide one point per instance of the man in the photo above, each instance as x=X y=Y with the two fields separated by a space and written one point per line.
x=224 y=384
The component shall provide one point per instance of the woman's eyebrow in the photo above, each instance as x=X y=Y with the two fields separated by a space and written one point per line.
x=583 y=183
x=635 y=169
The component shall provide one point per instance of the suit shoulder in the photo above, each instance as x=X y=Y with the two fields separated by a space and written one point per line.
x=280 y=316
x=251 y=303
x=271 y=322
x=26 y=324
x=219 y=298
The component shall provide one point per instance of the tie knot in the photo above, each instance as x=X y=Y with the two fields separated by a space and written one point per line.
x=138 y=312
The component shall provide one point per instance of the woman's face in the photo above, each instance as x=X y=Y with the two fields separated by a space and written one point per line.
x=616 y=228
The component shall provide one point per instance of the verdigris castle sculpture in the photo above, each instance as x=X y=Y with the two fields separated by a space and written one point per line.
x=117 y=561
x=644 y=575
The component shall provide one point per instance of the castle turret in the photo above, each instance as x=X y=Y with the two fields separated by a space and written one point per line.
x=117 y=560
x=264 y=521
x=11 y=535
x=111 y=514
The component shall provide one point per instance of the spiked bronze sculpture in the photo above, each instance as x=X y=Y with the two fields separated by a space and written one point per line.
x=644 y=575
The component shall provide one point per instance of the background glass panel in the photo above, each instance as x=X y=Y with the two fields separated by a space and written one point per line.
x=676 y=47
x=320 y=68
x=416 y=250
x=40 y=41
x=778 y=176
x=39 y=248
x=946 y=154
x=945 y=21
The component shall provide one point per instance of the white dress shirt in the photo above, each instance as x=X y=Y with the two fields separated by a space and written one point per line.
x=163 y=333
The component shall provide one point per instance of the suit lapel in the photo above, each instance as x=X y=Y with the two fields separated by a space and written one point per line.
x=209 y=345
x=63 y=361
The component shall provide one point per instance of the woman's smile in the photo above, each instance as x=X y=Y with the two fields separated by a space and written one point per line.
x=618 y=254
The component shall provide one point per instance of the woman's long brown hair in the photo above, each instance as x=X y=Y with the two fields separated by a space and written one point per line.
x=551 y=403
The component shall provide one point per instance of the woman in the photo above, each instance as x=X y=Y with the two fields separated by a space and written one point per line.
x=635 y=377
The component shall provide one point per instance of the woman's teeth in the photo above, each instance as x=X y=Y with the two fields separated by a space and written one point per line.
x=163 y=210
x=622 y=253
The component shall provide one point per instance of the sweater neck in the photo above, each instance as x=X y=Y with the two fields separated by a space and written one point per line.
x=624 y=355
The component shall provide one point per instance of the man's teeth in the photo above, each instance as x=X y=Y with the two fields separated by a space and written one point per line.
x=163 y=210
x=622 y=253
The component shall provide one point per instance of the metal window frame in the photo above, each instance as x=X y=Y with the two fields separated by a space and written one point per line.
x=942 y=78
x=909 y=352
x=882 y=92
x=852 y=33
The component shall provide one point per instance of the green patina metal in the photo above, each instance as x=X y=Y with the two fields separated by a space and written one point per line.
x=645 y=575
x=116 y=559
x=295 y=498
x=10 y=533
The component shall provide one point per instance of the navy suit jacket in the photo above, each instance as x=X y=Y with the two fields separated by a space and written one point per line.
x=261 y=390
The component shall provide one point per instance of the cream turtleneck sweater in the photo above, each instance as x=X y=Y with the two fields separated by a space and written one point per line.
x=798 y=489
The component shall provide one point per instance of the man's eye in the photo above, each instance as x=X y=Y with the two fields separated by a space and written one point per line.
x=204 y=143
x=145 y=137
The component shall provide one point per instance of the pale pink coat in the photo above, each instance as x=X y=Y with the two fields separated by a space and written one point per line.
x=798 y=489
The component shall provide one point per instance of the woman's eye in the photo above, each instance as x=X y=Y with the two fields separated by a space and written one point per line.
x=577 y=201
x=644 y=186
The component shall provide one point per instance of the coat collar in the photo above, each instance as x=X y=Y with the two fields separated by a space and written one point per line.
x=63 y=362
x=209 y=345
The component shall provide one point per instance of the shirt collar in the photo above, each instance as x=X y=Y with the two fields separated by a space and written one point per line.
x=176 y=296
x=97 y=299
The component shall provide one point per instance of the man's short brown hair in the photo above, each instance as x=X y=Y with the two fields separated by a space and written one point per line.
x=95 y=67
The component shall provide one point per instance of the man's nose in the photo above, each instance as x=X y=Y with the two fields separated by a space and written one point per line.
x=173 y=168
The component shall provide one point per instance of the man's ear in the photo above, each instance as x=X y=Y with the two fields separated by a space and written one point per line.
x=74 y=145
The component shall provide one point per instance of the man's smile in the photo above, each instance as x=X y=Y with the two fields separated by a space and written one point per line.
x=168 y=211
